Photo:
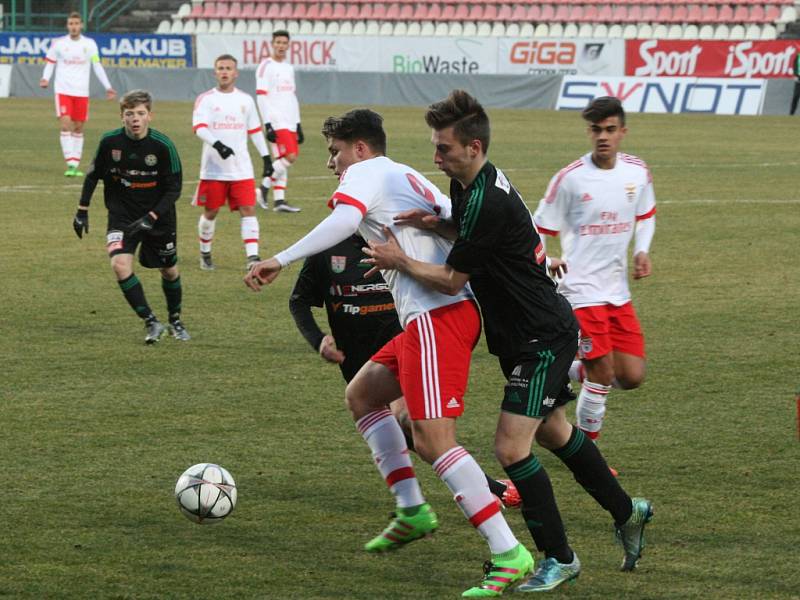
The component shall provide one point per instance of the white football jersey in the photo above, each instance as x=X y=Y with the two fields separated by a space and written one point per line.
x=73 y=60
x=381 y=188
x=230 y=117
x=275 y=83
x=595 y=211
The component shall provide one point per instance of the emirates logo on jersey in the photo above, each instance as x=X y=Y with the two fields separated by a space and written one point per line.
x=630 y=191
x=586 y=197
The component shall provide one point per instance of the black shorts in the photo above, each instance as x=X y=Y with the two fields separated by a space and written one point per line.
x=159 y=247
x=538 y=377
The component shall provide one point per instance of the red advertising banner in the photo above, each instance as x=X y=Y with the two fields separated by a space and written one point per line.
x=698 y=58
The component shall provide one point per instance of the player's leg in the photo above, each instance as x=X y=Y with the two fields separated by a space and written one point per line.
x=63 y=108
x=211 y=195
x=80 y=113
x=596 y=352
x=627 y=341
x=285 y=151
x=242 y=196
x=368 y=395
x=160 y=251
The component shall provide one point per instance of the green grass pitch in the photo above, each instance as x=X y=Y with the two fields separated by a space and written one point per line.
x=96 y=427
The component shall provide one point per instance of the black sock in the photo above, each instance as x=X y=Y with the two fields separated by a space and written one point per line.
x=589 y=467
x=539 y=508
x=497 y=488
x=134 y=294
x=173 y=293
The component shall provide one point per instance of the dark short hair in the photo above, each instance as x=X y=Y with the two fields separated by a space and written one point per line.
x=464 y=114
x=359 y=124
x=602 y=108
x=226 y=57
x=135 y=98
x=281 y=33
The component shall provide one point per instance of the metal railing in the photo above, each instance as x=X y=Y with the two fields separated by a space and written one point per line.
x=52 y=15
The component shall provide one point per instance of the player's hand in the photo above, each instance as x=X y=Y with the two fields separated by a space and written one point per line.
x=642 y=267
x=223 y=150
x=262 y=273
x=81 y=222
x=300 y=137
x=329 y=351
x=270 y=133
x=268 y=168
x=145 y=224
x=557 y=267
x=43 y=83
x=417 y=217
x=111 y=93
x=388 y=255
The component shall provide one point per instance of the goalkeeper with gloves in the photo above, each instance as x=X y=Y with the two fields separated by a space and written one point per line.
x=142 y=179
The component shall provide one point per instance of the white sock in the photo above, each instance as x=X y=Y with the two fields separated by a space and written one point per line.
x=591 y=407
x=385 y=438
x=77 y=147
x=576 y=371
x=279 y=179
x=464 y=477
x=250 y=235
x=205 y=228
x=66 y=146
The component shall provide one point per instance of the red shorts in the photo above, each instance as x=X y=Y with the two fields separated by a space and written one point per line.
x=431 y=359
x=608 y=328
x=74 y=107
x=212 y=194
x=286 y=142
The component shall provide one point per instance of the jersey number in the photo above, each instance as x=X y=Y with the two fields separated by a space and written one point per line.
x=421 y=189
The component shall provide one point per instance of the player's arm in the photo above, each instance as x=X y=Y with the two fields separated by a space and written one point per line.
x=100 y=73
x=262 y=91
x=337 y=227
x=257 y=138
x=422 y=219
x=644 y=231
x=171 y=182
x=200 y=120
x=50 y=65
x=80 y=223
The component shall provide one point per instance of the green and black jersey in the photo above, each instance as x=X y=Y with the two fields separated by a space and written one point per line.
x=139 y=176
x=501 y=251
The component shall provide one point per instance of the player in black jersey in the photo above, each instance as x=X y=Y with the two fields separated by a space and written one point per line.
x=362 y=319
x=529 y=326
x=142 y=179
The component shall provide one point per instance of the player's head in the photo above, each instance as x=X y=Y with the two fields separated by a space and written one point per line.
x=606 y=119
x=355 y=136
x=226 y=71
x=135 y=108
x=280 y=44
x=74 y=24
x=460 y=134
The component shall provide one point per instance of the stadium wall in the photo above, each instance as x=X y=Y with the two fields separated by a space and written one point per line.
x=373 y=89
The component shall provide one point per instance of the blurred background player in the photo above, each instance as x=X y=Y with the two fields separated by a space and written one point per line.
x=223 y=118
x=362 y=319
x=796 y=92
x=598 y=204
x=142 y=179
x=427 y=364
x=280 y=113
x=73 y=56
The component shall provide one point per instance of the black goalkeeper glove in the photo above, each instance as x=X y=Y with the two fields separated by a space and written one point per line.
x=270 y=133
x=144 y=224
x=81 y=222
x=300 y=137
x=268 y=168
x=224 y=151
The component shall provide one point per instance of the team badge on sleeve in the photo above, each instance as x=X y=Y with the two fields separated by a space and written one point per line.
x=338 y=263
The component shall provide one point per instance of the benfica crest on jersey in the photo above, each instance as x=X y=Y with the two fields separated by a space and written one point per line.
x=338 y=263
x=116 y=155
x=630 y=191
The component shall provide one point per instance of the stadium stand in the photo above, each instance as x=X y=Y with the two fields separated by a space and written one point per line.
x=629 y=19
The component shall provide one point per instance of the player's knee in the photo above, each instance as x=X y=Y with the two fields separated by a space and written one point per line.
x=632 y=376
x=169 y=273
x=507 y=452
x=291 y=157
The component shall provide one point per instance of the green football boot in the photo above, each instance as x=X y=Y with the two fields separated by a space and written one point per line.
x=502 y=572
x=73 y=172
x=405 y=528
x=631 y=534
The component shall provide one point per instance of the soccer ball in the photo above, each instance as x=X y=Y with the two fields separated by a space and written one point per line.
x=206 y=493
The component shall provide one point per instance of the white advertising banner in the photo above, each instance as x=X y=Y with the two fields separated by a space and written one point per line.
x=5 y=80
x=387 y=54
x=720 y=96
x=561 y=57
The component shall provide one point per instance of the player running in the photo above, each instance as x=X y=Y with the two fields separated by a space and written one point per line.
x=72 y=56
x=598 y=204
x=142 y=179
x=223 y=118
x=427 y=364
x=280 y=113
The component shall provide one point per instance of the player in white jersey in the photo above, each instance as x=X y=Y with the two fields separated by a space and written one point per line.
x=428 y=363
x=223 y=118
x=72 y=57
x=280 y=113
x=598 y=204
